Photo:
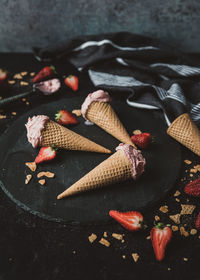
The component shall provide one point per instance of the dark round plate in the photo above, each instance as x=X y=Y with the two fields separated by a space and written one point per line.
x=162 y=168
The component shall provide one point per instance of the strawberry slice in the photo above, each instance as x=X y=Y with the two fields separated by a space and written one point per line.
x=44 y=74
x=72 y=82
x=142 y=140
x=193 y=188
x=45 y=154
x=160 y=237
x=131 y=220
x=64 y=117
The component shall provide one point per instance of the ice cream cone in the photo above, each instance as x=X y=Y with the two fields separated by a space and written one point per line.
x=184 y=130
x=103 y=115
x=64 y=138
x=114 y=169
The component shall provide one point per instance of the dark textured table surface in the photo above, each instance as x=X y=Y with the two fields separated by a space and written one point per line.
x=38 y=249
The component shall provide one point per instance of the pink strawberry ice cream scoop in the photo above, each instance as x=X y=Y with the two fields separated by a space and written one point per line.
x=99 y=95
x=49 y=87
x=136 y=158
x=35 y=126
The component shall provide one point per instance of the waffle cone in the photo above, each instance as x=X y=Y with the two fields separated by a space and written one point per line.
x=114 y=169
x=103 y=115
x=64 y=138
x=184 y=130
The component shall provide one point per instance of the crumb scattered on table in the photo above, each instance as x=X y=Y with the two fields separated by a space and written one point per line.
x=24 y=73
x=31 y=165
x=187 y=209
x=11 y=82
x=187 y=161
x=193 y=231
x=157 y=218
x=177 y=199
x=28 y=178
x=42 y=182
x=92 y=237
x=177 y=193
x=2 y=117
x=137 y=131
x=104 y=242
x=123 y=256
x=32 y=74
x=175 y=218
x=23 y=83
x=148 y=237
x=17 y=76
x=184 y=232
x=164 y=209
x=14 y=113
x=27 y=103
x=174 y=228
x=117 y=236
x=105 y=234
x=47 y=174
x=23 y=99
x=135 y=257
x=185 y=259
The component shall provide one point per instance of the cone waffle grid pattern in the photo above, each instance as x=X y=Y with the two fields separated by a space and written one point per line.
x=103 y=115
x=64 y=138
x=114 y=169
x=186 y=132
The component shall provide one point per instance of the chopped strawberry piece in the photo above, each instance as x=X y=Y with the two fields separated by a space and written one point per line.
x=44 y=74
x=197 y=223
x=142 y=140
x=131 y=220
x=45 y=154
x=160 y=237
x=72 y=82
x=193 y=188
x=65 y=118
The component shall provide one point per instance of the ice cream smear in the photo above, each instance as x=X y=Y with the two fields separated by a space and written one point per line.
x=48 y=87
x=35 y=126
x=99 y=95
x=135 y=157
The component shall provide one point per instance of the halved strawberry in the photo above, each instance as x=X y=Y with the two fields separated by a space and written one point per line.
x=72 y=82
x=131 y=220
x=193 y=188
x=3 y=76
x=142 y=140
x=45 y=154
x=160 y=236
x=64 y=117
x=44 y=74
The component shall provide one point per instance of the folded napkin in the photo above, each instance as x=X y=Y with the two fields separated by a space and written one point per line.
x=157 y=76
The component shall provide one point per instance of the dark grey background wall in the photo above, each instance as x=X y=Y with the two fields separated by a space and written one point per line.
x=27 y=23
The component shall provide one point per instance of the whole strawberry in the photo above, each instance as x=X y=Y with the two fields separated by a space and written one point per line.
x=44 y=74
x=160 y=237
x=72 y=82
x=142 y=140
x=65 y=118
x=45 y=154
x=193 y=188
x=131 y=220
